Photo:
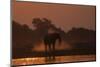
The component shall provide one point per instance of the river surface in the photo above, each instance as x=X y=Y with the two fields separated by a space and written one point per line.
x=58 y=59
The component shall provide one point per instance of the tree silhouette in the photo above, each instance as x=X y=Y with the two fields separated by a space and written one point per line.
x=41 y=23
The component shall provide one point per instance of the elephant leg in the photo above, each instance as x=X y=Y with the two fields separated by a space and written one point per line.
x=46 y=53
x=53 y=51
x=46 y=50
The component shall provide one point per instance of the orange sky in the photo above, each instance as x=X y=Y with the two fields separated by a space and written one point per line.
x=63 y=16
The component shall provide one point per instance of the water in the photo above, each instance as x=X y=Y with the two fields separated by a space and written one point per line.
x=58 y=59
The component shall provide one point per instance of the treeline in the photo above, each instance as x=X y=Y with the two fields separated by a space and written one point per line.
x=24 y=39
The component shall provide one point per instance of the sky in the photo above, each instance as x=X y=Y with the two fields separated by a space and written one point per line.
x=64 y=16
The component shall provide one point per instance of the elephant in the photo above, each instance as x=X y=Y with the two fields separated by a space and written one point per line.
x=50 y=42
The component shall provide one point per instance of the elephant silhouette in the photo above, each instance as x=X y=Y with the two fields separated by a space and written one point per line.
x=50 y=40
